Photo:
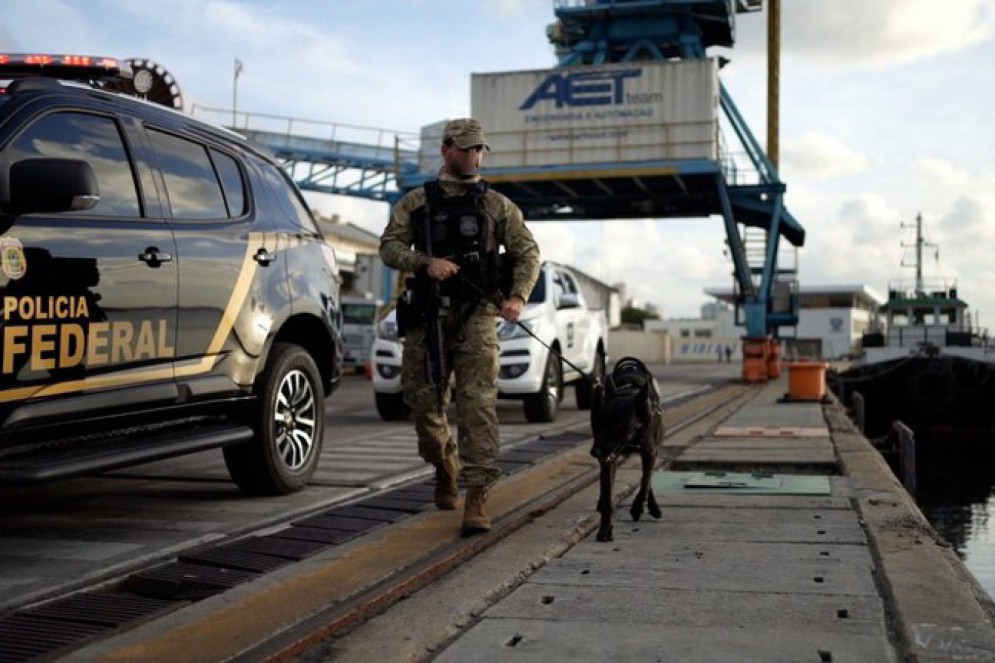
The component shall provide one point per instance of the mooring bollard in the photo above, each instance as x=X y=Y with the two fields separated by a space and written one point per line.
x=906 y=455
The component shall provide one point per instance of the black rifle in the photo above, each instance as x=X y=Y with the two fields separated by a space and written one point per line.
x=436 y=310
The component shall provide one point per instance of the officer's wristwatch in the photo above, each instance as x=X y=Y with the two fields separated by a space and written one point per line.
x=424 y=261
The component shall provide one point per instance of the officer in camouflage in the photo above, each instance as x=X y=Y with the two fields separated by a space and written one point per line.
x=466 y=223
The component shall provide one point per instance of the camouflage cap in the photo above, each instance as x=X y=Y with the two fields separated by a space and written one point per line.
x=465 y=133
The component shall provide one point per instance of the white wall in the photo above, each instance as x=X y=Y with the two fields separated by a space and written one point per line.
x=840 y=329
x=652 y=347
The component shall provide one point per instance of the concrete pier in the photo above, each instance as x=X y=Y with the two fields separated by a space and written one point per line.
x=784 y=537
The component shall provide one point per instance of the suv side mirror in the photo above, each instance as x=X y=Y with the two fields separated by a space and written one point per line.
x=568 y=300
x=51 y=185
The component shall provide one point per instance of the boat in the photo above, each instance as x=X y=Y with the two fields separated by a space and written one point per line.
x=923 y=362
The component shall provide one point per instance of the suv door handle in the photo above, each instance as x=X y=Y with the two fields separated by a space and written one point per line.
x=154 y=257
x=264 y=257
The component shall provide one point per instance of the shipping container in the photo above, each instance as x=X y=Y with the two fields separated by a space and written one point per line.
x=640 y=111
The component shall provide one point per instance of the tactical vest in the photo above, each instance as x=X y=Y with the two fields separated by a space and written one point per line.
x=459 y=230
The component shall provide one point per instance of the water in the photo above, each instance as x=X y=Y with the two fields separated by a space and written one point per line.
x=956 y=493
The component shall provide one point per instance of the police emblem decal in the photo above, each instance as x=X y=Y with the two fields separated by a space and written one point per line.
x=14 y=263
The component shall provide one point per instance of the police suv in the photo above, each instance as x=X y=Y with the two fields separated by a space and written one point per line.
x=163 y=286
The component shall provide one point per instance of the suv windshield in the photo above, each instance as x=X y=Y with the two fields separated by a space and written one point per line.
x=539 y=291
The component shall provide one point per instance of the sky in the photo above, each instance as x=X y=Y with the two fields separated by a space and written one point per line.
x=885 y=113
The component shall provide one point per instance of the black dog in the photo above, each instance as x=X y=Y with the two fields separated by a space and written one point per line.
x=626 y=417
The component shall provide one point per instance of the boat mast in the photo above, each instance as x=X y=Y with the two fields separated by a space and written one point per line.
x=920 y=242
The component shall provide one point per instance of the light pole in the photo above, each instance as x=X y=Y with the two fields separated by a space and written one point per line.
x=234 y=91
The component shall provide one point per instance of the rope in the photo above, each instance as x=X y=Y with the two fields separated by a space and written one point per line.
x=876 y=374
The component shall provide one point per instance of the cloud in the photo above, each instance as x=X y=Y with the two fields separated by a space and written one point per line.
x=821 y=157
x=877 y=33
x=508 y=8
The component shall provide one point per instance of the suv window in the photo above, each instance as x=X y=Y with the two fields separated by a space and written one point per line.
x=91 y=138
x=231 y=182
x=191 y=184
x=288 y=197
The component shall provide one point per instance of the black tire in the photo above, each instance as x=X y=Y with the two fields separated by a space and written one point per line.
x=289 y=424
x=584 y=389
x=541 y=407
x=391 y=407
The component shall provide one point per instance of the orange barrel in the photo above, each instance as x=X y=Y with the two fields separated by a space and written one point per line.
x=755 y=360
x=774 y=359
x=807 y=380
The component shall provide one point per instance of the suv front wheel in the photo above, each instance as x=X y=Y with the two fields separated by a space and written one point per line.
x=289 y=423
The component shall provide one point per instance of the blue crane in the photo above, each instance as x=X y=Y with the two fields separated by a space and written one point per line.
x=601 y=32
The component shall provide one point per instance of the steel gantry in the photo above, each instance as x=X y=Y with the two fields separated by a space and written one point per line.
x=742 y=185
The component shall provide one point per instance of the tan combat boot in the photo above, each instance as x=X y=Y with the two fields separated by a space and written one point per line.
x=475 y=518
x=446 y=490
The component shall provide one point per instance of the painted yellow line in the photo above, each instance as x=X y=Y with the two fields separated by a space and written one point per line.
x=246 y=275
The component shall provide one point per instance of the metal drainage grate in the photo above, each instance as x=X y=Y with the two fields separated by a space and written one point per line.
x=360 y=510
x=389 y=502
x=232 y=558
x=27 y=637
x=334 y=521
x=564 y=439
x=183 y=581
x=108 y=609
x=328 y=537
x=270 y=545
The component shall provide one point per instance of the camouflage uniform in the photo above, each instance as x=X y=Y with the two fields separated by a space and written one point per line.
x=471 y=342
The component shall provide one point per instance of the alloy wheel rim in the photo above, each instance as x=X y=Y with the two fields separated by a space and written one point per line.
x=295 y=416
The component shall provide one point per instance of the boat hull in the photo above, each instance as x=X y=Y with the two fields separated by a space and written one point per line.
x=927 y=393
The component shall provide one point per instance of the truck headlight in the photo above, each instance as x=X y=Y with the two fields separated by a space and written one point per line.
x=510 y=330
x=387 y=330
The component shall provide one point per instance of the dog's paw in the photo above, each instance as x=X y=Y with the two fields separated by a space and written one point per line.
x=605 y=535
x=636 y=512
x=655 y=510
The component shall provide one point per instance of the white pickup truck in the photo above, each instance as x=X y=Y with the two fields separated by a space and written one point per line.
x=557 y=314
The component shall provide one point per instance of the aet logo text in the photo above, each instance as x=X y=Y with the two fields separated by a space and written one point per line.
x=596 y=88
